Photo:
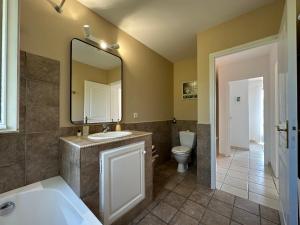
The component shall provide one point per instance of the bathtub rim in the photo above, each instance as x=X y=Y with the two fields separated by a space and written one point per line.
x=56 y=184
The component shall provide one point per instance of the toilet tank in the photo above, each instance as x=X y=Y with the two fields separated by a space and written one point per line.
x=187 y=138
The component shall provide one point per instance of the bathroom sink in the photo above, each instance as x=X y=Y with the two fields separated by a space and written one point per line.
x=109 y=135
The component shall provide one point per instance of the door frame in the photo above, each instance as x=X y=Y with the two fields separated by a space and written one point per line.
x=212 y=93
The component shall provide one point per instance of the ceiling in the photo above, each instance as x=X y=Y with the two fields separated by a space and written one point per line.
x=87 y=54
x=264 y=50
x=169 y=27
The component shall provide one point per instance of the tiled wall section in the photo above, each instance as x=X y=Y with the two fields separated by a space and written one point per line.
x=203 y=154
x=165 y=133
x=161 y=136
x=32 y=154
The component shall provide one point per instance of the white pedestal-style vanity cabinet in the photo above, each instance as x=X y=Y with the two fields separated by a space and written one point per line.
x=114 y=177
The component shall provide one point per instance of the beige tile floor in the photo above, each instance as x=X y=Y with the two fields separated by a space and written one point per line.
x=179 y=200
x=245 y=175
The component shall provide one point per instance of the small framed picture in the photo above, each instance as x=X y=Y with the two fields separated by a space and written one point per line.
x=189 y=90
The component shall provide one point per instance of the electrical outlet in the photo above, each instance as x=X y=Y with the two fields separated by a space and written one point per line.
x=135 y=115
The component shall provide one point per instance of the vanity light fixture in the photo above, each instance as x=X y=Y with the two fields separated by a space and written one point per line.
x=115 y=46
x=102 y=44
x=57 y=7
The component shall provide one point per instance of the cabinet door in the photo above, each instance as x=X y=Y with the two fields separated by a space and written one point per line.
x=122 y=180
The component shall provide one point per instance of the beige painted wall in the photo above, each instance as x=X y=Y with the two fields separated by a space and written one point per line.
x=148 y=77
x=255 y=25
x=81 y=72
x=185 y=70
x=114 y=75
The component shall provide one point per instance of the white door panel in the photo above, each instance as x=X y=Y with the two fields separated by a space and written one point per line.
x=116 y=101
x=287 y=111
x=96 y=102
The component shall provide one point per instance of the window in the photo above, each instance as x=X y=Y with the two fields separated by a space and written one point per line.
x=9 y=49
x=2 y=77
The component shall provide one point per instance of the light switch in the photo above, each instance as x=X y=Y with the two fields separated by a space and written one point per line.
x=135 y=115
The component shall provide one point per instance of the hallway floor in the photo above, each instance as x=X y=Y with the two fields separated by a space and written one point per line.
x=245 y=175
x=178 y=200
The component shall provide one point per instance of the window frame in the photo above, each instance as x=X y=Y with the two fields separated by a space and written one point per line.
x=10 y=67
x=3 y=65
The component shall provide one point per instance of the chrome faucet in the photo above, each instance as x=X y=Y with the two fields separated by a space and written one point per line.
x=105 y=128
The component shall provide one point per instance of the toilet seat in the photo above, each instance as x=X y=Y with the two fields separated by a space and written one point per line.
x=181 y=150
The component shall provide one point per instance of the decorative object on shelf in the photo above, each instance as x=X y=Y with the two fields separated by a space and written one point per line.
x=174 y=120
x=118 y=126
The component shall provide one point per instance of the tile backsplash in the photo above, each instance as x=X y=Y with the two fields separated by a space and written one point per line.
x=161 y=136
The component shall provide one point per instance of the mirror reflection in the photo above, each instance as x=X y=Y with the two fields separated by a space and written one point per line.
x=96 y=84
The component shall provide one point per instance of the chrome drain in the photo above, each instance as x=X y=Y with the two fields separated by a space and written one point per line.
x=7 y=208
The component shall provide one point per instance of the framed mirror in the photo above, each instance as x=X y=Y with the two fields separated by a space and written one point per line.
x=96 y=84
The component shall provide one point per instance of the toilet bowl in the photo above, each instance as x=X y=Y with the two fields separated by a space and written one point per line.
x=182 y=153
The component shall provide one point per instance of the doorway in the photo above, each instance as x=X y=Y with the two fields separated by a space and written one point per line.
x=285 y=142
x=246 y=124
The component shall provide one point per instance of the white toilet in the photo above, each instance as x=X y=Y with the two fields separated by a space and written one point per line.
x=182 y=153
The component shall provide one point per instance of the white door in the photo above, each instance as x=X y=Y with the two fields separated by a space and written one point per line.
x=122 y=177
x=116 y=101
x=287 y=128
x=239 y=114
x=96 y=102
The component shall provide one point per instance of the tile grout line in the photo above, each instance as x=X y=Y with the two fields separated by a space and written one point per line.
x=248 y=177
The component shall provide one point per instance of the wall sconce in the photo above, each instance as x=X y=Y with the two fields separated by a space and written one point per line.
x=102 y=44
x=57 y=7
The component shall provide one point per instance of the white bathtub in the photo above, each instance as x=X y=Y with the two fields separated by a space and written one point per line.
x=49 y=202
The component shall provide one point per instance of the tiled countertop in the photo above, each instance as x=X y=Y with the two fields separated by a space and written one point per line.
x=84 y=142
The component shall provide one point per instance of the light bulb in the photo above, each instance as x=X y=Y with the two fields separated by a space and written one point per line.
x=103 y=45
x=86 y=30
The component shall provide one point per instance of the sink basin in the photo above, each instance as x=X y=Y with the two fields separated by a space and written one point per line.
x=109 y=135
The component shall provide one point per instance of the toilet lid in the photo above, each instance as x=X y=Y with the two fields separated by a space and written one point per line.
x=181 y=150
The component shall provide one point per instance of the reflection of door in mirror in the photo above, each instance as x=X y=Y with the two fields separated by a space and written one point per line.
x=102 y=102
x=96 y=102
x=96 y=85
x=116 y=97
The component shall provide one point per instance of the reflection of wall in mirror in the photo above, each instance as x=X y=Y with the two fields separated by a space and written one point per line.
x=82 y=72
x=114 y=75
